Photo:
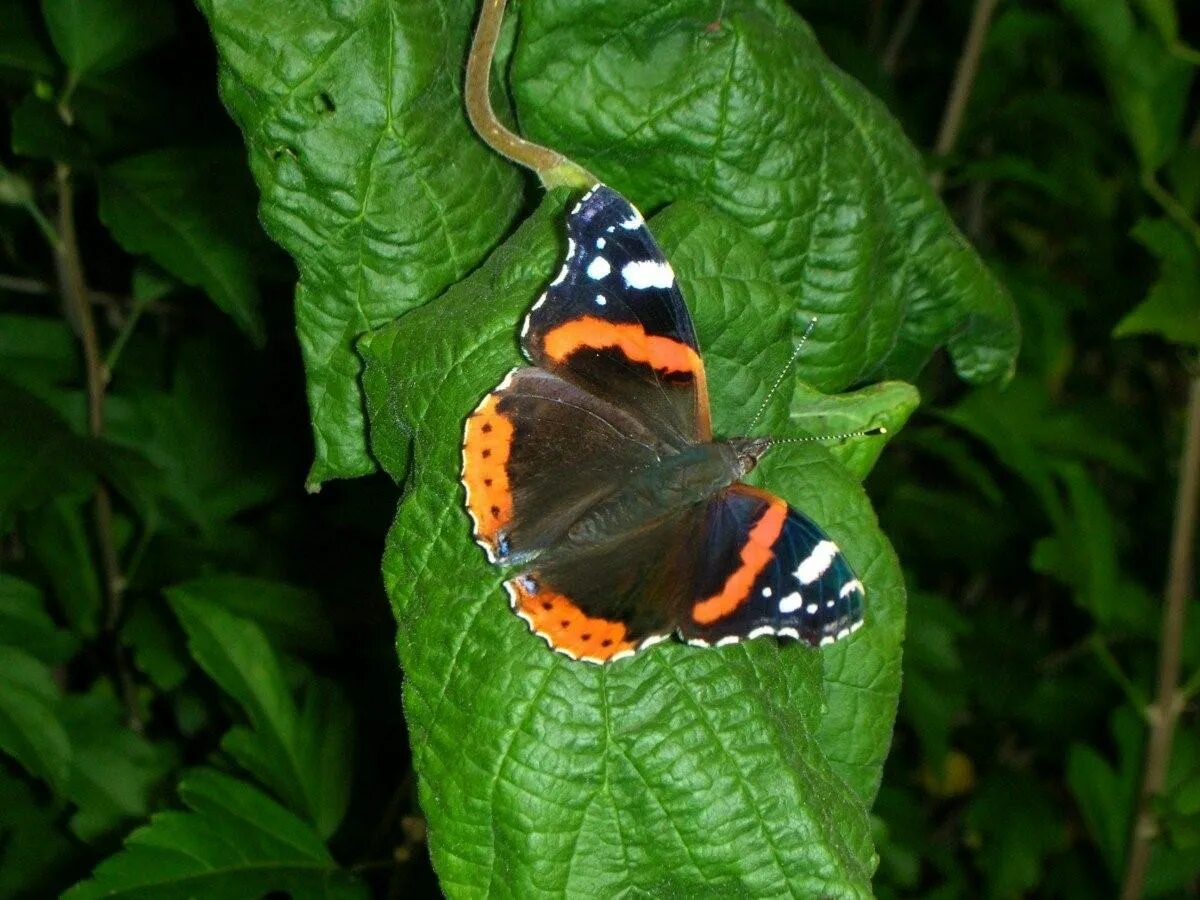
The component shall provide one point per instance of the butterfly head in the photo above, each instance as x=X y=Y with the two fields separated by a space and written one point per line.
x=747 y=451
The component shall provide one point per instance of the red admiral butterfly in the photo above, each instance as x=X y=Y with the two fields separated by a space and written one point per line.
x=596 y=468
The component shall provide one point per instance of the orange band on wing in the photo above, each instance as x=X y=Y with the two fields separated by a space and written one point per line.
x=566 y=627
x=662 y=353
x=486 y=444
x=754 y=557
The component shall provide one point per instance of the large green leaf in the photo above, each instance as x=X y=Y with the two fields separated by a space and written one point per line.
x=677 y=772
x=235 y=842
x=303 y=754
x=735 y=103
x=370 y=176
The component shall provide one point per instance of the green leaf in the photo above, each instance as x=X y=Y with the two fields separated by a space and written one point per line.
x=370 y=175
x=200 y=439
x=39 y=132
x=40 y=456
x=30 y=729
x=749 y=116
x=1148 y=84
x=292 y=617
x=23 y=47
x=34 y=850
x=57 y=537
x=157 y=647
x=934 y=692
x=826 y=416
x=1018 y=827
x=304 y=756
x=97 y=35
x=113 y=770
x=25 y=624
x=185 y=208
x=736 y=770
x=730 y=282
x=1172 y=308
x=37 y=352
x=235 y=842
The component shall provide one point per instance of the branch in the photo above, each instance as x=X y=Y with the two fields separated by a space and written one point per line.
x=552 y=168
x=900 y=33
x=1164 y=714
x=964 y=80
x=73 y=286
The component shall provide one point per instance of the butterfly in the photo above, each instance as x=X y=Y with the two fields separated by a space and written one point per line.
x=594 y=470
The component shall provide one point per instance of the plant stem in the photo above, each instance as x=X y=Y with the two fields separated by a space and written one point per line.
x=552 y=168
x=964 y=80
x=1164 y=714
x=73 y=285
x=900 y=33
x=1172 y=207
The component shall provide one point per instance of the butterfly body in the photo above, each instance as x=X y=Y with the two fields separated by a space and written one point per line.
x=595 y=469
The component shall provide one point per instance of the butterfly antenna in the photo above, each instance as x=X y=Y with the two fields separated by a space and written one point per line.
x=812 y=323
x=878 y=429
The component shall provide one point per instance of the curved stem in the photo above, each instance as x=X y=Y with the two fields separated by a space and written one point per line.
x=552 y=168
x=1164 y=714
x=964 y=80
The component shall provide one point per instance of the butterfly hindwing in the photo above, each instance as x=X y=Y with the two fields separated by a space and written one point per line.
x=614 y=598
x=614 y=322
x=539 y=450
x=767 y=569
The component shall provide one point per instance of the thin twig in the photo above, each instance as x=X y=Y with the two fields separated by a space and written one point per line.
x=552 y=168
x=73 y=285
x=1164 y=714
x=964 y=80
x=900 y=33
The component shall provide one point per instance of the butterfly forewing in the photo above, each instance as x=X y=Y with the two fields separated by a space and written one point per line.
x=614 y=322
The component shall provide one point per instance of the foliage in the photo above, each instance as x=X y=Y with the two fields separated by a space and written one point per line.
x=199 y=691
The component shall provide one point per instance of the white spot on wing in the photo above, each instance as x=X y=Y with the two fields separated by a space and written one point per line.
x=600 y=242
x=727 y=640
x=761 y=631
x=766 y=592
x=648 y=273
x=811 y=608
x=828 y=639
x=698 y=642
x=598 y=268
x=850 y=587
x=652 y=640
x=634 y=221
x=789 y=632
x=601 y=300
x=791 y=602
x=817 y=562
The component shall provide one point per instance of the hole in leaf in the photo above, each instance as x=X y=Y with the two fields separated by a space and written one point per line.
x=324 y=104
